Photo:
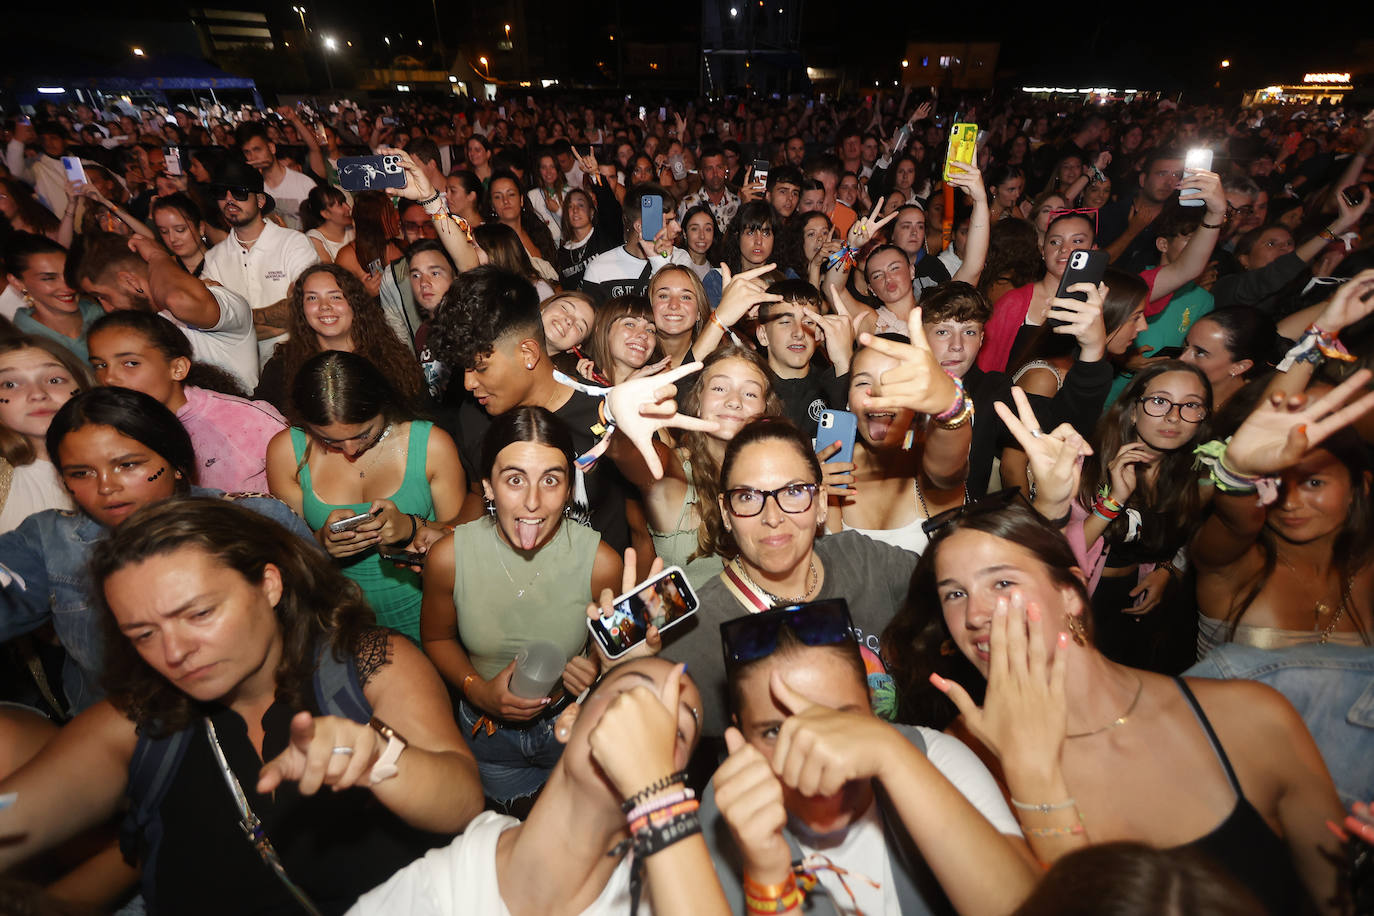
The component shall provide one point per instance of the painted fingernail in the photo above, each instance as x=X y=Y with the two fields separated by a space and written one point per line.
x=938 y=681
x=544 y=702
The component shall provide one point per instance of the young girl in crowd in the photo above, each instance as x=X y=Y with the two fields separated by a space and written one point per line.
x=195 y=594
x=377 y=241
x=327 y=219
x=37 y=376
x=680 y=310
x=568 y=320
x=1139 y=501
x=36 y=266
x=361 y=449
x=147 y=353
x=623 y=341
x=117 y=450
x=510 y=208
x=495 y=585
x=503 y=249
x=702 y=239
x=330 y=310
x=182 y=229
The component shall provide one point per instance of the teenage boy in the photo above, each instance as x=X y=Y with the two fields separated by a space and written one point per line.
x=625 y=270
x=789 y=331
x=492 y=332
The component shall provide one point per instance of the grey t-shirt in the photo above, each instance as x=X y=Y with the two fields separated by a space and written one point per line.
x=871 y=576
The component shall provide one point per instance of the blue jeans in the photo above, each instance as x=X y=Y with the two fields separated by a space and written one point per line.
x=512 y=762
x=1331 y=687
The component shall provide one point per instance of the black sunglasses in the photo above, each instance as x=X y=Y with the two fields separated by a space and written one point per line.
x=993 y=502
x=755 y=636
x=239 y=194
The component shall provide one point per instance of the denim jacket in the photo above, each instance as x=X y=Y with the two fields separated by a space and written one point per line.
x=1331 y=687
x=43 y=578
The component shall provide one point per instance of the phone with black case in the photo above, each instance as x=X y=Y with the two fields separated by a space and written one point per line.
x=1085 y=266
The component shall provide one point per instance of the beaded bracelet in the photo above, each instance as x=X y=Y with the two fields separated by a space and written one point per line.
x=960 y=412
x=429 y=200
x=667 y=782
x=657 y=804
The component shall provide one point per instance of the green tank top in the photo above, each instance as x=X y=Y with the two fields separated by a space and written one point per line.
x=393 y=592
x=677 y=545
x=505 y=598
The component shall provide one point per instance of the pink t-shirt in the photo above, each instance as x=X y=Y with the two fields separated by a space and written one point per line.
x=230 y=436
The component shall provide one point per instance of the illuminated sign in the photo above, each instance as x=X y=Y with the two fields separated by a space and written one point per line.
x=1326 y=78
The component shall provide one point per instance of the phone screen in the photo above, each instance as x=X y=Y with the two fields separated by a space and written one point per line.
x=662 y=601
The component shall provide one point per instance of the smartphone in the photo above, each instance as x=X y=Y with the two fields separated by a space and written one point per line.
x=1167 y=352
x=1354 y=194
x=1085 y=266
x=374 y=266
x=662 y=113
x=370 y=173
x=650 y=216
x=761 y=171
x=172 y=156
x=348 y=524
x=72 y=166
x=406 y=558
x=501 y=111
x=641 y=112
x=664 y=601
x=963 y=145
x=837 y=426
x=388 y=122
x=1198 y=158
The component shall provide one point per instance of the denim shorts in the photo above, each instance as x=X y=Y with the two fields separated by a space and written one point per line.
x=512 y=762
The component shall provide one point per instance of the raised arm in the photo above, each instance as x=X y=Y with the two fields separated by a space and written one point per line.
x=456 y=237
x=979 y=225
x=1192 y=261
x=170 y=287
x=742 y=295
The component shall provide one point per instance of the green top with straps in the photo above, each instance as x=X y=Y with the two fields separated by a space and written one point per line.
x=393 y=591
x=677 y=545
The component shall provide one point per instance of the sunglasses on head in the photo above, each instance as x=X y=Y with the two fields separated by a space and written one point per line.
x=239 y=194
x=993 y=502
x=1088 y=213
x=755 y=636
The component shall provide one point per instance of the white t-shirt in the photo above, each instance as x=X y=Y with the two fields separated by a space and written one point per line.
x=460 y=878
x=11 y=301
x=231 y=344
x=263 y=273
x=616 y=272
x=862 y=849
x=295 y=187
x=34 y=487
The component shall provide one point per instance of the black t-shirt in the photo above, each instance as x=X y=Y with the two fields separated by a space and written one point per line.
x=606 y=489
x=930 y=271
x=803 y=399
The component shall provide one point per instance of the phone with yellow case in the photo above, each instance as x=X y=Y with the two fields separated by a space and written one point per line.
x=963 y=145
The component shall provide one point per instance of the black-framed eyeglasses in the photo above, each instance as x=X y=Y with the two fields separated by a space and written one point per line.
x=755 y=636
x=993 y=502
x=1159 y=406
x=747 y=502
x=239 y=194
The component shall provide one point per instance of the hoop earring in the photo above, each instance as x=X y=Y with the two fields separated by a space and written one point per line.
x=1076 y=630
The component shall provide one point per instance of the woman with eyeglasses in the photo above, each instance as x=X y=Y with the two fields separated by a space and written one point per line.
x=772 y=504
x=362 y=450
x=1090 y=751
x=813 y=776
x=1138 y=502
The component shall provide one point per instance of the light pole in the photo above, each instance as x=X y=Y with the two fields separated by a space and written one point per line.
x=486 y=70
x=329 y=45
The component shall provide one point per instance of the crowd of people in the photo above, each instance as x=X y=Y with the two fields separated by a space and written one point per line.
x=1014 y=591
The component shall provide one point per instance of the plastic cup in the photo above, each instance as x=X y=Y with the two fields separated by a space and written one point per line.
x=538 y=666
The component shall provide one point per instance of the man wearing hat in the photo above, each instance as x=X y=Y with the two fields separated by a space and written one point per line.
x=259 y=260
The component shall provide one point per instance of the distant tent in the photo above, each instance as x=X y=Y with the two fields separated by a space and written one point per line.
x=161 y=72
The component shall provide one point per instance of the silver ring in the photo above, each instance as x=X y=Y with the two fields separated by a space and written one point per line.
x=1037 y=433
x=342 y=749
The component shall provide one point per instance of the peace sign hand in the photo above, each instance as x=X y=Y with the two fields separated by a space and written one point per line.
x=917 y=382
x=1056 y=457
x=743 y=292
x=865 y=227
x=643 y=406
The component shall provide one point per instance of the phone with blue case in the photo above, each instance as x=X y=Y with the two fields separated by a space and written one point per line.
x=650 y=216
x=837 y=426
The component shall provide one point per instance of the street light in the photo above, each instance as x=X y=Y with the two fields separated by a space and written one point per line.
x=905 y=63
x=1225 y=64
x=486 y=71
x=138 y=52
x=300 y=11
x=330 y=43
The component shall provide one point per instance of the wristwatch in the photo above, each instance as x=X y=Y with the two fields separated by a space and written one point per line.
x=385 y=767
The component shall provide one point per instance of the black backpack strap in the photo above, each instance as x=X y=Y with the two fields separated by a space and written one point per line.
x=151 y=769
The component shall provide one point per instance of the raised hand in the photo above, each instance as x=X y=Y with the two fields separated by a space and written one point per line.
x=417 y=185
x=742 y=293
x=1281 y=430
x=838 y=476
x=749 y=796
x=1083 y=320
x=966 y=176
x=1056 y=457
x=315 y=756
x=1352 y=302
x=1024 y=716
x=837 y=332
x=643 y=406
x=917 y=382
x=603 y=607
x=819 y=749
x=865 y=227
x=1123 y=469
x=578 y=674
x=588 y=162
x=635 y=742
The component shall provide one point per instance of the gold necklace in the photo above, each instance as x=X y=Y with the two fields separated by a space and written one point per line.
x=1119 y=720
x=1321 y=609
